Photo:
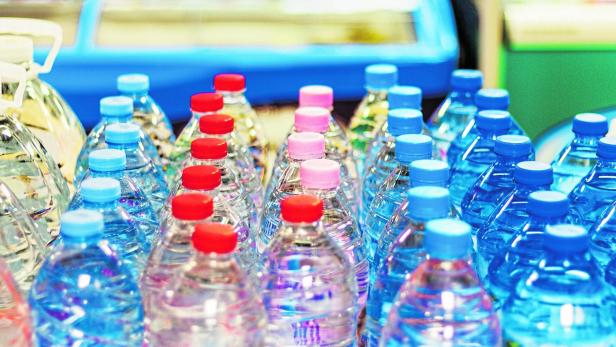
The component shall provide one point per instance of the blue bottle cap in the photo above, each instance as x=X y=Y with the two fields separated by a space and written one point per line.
x=122 y=133
x=566 y=238
x=545 y=203
x=533 y=173
x=116 y=106
x=513 y=146
x=107 y=160
x=404 y=97
x=493 y=120
x=607 y=147
x=100 y=190
x=411 y=147
x=429 y=172
x=428 y=202
x=447 y=239
x=404 y=121
x=133 y=83
x=492 y=99
x=466 y=80
x=381 y=76
x=592 y=124
x=81 y=223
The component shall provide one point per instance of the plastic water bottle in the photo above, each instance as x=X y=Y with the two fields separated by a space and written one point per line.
x=479 y=155
x=401 y=251
x=211 y=302
x=392 y=192
x=510 y=215
x=121 y=232
x=139 y=166
x=563 y=300
x=84 y=294
x=307 y=282
x=454 y=113
x=522 y=252
x=321 y=96
x=603 y=239
x=610 y=274
x=442 y=302
x=302 y=146
x=578 y=157
x=497 y=181
x=16 y=329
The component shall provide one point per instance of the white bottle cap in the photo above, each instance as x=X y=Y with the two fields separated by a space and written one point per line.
x=16 y=49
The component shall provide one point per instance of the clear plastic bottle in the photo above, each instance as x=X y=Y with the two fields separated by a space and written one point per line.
x=603 y=237
x=563 y=300
x=321 y=96
x=16 y=329
x=454 y=113
x=307 y=282
x=211 y=301
x=69 y=305
x=510 y=215
x=496 y=182
x=479 y=155
x=442 y=302
x=401 y=251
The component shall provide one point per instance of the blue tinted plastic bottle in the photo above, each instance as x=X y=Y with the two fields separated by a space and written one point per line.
x=563 y=300
x=610 y=274
x=603 y=237
x=577 y=158
x=442 y=302
x=84 y=295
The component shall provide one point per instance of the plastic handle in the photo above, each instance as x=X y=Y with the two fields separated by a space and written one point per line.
x=35 y=28
x=11 y=72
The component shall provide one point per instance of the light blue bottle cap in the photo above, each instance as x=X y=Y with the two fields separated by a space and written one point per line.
x=492 y=99
x=133 y=83
x=566 y=238
x=547 y=203
x=493 y=120
x=466 y=80
x=381 y=76
x=513 y=146
x=81 y=223
x=116 y=106
x=428 y=202
x=429 y=172
x=447 y=239
x=592 y=124
x=404 y=121
x=411 y=147
x=107 y=160
x=404 y=97
x=607 y=147
x=533 y=173
x=100 y=190
x=122 y=133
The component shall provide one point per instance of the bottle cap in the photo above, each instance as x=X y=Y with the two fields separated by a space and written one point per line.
x=304 y=146
x=208 y=148
x=314 y=119
x=428 y=202
x=513 y=146
x=381 y=76
x=493 y=120
x=411 y=147
x=229 y=82
x=607 y=147
x=466 y=80
x=122 y=133
x=81 y=223
x=492 y=99
x=216 y=124
x=404 y=121
x=533 y=173
x=547 y=203
x=116 y=106
x=429 y=172
x=319 y=174
x=192 y=206
x=206 y=102
x=201 y=177
x=214 y=238
x=16 y=49
x=316 y=96
x=100 y=190
x=447 y=239
x=566 y=238
x=107 y=160
x=592 y=124
x=301 y=209
x=404 y=97
x=133 y=83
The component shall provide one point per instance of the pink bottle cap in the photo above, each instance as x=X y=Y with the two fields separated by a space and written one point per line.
x=304 y=146
x=317 y=96
x=312 y=119
x=320 y=174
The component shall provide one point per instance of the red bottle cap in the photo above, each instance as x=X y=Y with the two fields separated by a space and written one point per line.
x=192 y=206
x=208 y=148
x=216 y=124
x=206 y=102
x=229 y=82
x=201 y=177
x=301 y=209
x=214 y=238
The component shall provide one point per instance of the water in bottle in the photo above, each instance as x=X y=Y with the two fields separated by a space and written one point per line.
x=307 y=282
x=563 y=300
x=84 y=294
x=15 y=329
x=454 y=113
x=610 y=273
x=603 y=237
x=211 y=301
x=442 y=302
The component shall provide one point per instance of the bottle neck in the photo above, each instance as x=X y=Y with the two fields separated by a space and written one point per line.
x=197 y=115
x=80 y=242
x=606 y=164
x=232 y=97
x=321 y=193
x=136 y=95
x=218 y=163
x=463 y=97
x=118 y=174
x=581 y=140
x=109 y=119
x=300 y=230
x=491 y=133
x=108 y=205
x=525 y=187
x=124 y=146
x=504 y=160
x=546 y=220
x=211 y=192
x=226 y=137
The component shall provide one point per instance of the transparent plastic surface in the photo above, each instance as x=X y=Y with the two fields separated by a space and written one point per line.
x=574 y=162
x=367 y=120
x=15 y=329
x=595 y=192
